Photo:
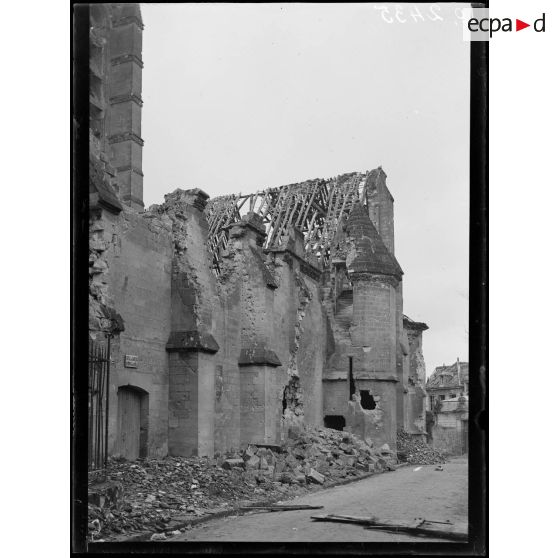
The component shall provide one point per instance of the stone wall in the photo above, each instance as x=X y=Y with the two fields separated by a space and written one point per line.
x=449 y=438
x=379 y=424
x=226 y=361
x=139 y=273
x=416 y=397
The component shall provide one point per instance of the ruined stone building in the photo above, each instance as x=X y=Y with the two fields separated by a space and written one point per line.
x=450 y=431
x=447 y=382
x=237 y=318
x=447 y=389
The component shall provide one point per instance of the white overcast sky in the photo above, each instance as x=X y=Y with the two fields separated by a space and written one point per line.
x=239 y=97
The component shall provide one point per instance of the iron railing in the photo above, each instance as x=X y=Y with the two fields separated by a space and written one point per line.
x=99 y=376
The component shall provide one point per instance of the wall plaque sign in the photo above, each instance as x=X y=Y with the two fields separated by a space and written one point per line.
x=131 y=361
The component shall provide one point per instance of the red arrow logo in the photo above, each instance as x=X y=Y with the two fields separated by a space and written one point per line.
x=519 y=25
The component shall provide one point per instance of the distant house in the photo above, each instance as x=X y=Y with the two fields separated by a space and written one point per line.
x=447 y=382
x=448 y=403
x=450 y=431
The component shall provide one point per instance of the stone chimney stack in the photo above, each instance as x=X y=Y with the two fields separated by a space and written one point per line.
x=380 y=206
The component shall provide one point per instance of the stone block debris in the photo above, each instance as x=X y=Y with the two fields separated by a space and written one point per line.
x=231 y=463
x=155 y=492
x=417 y=452
x=316 y=477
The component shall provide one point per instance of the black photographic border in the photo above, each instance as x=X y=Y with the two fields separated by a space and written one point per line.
x=478 y=338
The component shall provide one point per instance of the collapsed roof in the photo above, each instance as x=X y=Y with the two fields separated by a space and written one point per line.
x=315 y=207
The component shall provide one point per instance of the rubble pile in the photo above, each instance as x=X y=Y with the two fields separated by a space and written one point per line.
x=414 y=450
x=333 y=454
x=154 y=492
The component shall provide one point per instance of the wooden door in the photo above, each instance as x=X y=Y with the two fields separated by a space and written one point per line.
x=129 y=404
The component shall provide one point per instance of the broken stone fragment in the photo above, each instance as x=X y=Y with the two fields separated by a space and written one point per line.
x=250 y=451
x=300 y=478
x=99 y=266
x=298 y=453
x=287 y=478
x=98 y=290
x=253 y=462
x=158 y=537
x=96 y=226
x=97 y=244
x=315 y=477
x=230 y=463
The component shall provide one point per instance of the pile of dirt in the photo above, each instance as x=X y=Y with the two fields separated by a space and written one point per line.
x=154 y=492
x=415 y=450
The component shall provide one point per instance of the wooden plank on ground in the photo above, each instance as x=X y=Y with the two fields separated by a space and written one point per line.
x=418 y=527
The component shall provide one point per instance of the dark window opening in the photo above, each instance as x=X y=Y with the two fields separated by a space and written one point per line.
x=336 y=422
x=284 y=400
x=442 y=397
x=367 y=400
x=352 y=388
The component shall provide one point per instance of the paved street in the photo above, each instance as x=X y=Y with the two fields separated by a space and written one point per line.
x=400 y=495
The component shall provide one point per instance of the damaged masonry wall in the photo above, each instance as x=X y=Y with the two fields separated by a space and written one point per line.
x=219 y=362
x=222 y=362
x=278 y=339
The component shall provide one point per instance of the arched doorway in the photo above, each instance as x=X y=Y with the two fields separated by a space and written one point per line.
x=133 y=405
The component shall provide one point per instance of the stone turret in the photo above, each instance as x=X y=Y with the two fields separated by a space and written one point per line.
x=375 y=274
x=369 y=253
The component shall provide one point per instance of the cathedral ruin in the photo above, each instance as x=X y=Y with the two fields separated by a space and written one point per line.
x=243 y=318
